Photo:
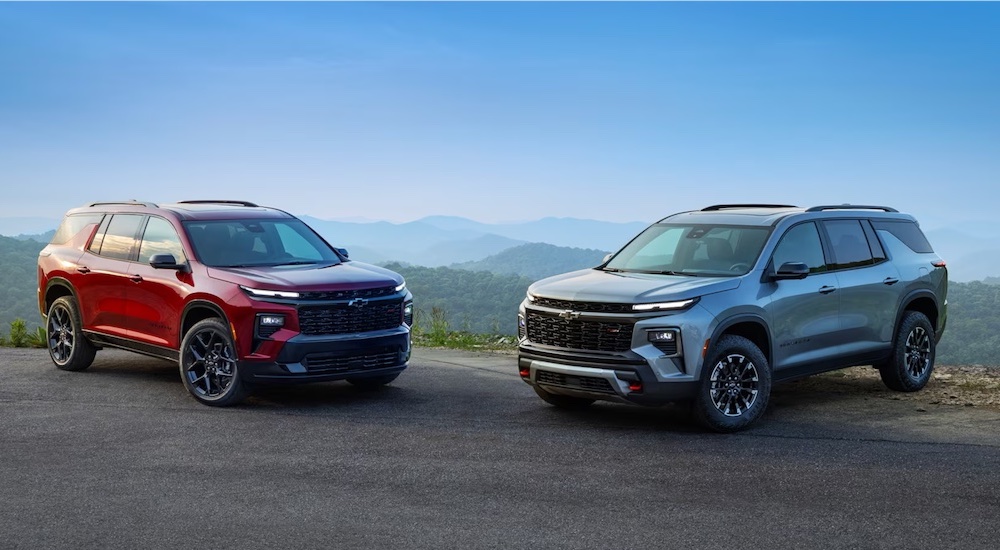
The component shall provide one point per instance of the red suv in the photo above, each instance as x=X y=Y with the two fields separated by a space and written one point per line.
x=236 y=293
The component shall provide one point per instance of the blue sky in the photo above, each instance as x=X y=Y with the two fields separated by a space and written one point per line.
x=502 y=111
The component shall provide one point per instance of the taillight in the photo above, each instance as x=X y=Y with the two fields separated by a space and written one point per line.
x=939 y=263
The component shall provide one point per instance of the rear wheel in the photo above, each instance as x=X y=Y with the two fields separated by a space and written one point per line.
x=563 y=401
x=735 y=386
x=912 y=361
x=209 y=366
x=68 y=347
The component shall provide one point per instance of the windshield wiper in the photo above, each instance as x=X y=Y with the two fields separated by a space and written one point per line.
x=299 y=262
x=612 y=270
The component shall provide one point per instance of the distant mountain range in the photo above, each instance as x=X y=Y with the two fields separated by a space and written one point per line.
x=971 y=248
x=444 y=240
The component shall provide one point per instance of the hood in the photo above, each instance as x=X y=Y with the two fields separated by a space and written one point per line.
x=594 y=285
x=341 y=276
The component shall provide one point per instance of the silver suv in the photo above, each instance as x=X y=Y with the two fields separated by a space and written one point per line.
x=713 y=306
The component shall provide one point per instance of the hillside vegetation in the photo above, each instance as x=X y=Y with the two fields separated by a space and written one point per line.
x=18 y=281
x=536 y=260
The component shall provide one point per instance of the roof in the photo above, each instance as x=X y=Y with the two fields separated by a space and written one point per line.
x=192 y=210
x=768 y=215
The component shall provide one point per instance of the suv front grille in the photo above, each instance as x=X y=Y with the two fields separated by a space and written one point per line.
x=597 y=307
x=369 y=359
x=588 y=383
x=346 y=319
x=330 y=295
x=579 y=334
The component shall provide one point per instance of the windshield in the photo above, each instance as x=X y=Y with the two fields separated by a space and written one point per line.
x=696 y=250
x=253 y=243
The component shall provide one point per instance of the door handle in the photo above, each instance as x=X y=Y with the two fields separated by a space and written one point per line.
x=83 y=269
x=890 y=281
x=135 y=278
x=826 y=289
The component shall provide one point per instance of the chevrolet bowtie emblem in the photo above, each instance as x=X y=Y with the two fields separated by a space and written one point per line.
x=357 y=302
x=568 y=314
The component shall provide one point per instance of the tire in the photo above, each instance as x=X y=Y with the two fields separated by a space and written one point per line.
x=909 y=367
x=735 y=385
x=209 y=365
x=373 y=382
x=563 y=401
x=68 y=347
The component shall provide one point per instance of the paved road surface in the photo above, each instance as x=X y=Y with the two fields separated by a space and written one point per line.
x=459 y=453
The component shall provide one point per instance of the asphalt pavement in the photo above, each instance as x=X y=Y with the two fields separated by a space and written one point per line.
x=459 y=453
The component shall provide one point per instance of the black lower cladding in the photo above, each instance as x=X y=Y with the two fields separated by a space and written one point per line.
x=313 y=358
x=654 y=392
x=588 y=383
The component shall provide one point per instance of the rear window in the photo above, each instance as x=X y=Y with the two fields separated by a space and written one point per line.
x=907 y=232
x=71 y=225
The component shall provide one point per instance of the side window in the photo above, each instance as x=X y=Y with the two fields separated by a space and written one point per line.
x=850 y=246
x=907 y=232
x=801 y=244
x=95 y=245
x=878 y=253
x=160 y=238
x=71 y=225
x=119 y=241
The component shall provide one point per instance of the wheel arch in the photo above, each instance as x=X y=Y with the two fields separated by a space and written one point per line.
x=922 y=301
x=750 y=326
x=199 y=310
x=57 y=288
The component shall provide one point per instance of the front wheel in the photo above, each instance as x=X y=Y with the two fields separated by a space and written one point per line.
x=209 y=365
x=735 y=386
x=68 y=347
x=912 y=361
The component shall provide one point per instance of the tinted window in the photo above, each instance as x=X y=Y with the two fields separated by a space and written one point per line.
x=71 y=225
x=95 y=244
x=119 y=241
x=715 y=251
x=907 y=232
x=800 y=244
x=850 y=246
x=878 y=253
x=230 y=243
x=160 y=238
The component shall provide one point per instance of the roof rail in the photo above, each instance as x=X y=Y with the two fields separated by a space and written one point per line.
x=715 y=207
x=850 y=207
x=131 y=202
x=231 y=203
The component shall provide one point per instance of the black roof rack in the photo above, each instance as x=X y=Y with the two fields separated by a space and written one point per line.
x=716 y=207
x=132 y=202
x=231 y=203
x=850 y=207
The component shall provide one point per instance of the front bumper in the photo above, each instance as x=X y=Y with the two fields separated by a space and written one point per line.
x=321 y=358
x=605 y=378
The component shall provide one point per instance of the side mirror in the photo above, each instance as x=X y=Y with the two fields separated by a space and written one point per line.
x=165 y=261
x=607 y=257
x=343 y=252
x=792 y=270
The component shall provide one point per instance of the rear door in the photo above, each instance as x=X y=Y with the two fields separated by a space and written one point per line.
x=103 y=284
x=869 y=290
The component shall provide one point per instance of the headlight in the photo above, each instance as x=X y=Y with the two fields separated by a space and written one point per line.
x=664 y=305
x=531 y=298
x=259 y=293
x=400 y=286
